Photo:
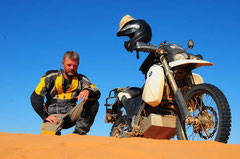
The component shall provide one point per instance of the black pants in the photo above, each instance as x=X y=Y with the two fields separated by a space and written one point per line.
x=86 y=119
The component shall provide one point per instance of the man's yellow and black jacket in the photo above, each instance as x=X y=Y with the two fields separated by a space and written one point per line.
x=60 y=93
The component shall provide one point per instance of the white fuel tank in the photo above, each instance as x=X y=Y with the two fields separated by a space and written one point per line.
x=154 y=86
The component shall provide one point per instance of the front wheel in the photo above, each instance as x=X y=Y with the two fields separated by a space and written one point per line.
x=120 y=126
x=210 y=108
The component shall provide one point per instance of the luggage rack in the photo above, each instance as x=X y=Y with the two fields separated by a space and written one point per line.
x=112 y=110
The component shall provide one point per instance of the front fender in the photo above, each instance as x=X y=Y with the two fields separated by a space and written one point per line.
x=189 y=61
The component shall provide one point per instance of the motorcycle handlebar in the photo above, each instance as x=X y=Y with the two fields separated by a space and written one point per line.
x=141 y=46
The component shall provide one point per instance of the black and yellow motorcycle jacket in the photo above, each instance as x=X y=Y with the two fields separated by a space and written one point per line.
x=60 y=93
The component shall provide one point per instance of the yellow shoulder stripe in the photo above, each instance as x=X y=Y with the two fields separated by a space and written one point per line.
x=40 y=86
x=92 y=86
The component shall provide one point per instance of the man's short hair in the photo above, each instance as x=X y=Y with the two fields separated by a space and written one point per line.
x=71 y=55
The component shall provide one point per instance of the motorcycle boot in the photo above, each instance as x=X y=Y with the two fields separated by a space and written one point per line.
x=131 y=100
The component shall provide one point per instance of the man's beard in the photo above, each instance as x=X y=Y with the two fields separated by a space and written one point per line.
x=69 y=76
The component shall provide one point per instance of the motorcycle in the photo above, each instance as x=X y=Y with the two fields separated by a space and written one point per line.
x=174 y=101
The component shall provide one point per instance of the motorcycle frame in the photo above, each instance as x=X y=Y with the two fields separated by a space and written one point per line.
x=182 y=106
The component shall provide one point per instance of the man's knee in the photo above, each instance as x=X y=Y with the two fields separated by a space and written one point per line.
x=48 y=129
x=51 y=128
x=89 y=108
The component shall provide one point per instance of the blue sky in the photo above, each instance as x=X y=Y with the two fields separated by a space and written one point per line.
x=35 y=34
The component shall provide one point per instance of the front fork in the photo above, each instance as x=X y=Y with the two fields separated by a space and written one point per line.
x=182 y=105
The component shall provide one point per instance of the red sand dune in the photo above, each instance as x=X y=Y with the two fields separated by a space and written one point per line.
x=72 y=146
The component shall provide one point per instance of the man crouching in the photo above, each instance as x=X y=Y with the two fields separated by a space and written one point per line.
x=62 y=89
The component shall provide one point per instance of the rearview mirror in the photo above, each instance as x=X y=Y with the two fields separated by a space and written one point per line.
x=190 y=44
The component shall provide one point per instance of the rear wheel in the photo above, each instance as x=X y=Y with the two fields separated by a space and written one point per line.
x=210 y=108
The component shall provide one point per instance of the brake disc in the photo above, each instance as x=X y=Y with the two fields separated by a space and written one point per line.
x=208 y=121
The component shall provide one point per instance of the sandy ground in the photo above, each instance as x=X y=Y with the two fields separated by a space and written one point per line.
x=29 y=146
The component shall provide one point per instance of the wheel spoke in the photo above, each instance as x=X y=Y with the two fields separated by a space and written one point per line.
x=211 y=102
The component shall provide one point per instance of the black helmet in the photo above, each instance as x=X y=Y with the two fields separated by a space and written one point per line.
x=136 y=30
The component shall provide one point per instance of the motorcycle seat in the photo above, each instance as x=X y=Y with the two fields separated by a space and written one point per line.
x=134 y=91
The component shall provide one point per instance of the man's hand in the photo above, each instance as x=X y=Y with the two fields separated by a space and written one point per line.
x=83 y=95
x=52 y=119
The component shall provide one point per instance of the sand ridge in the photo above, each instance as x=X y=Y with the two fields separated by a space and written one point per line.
x=73 y=146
